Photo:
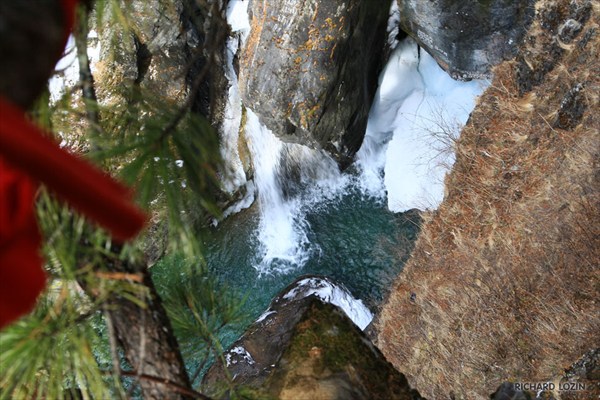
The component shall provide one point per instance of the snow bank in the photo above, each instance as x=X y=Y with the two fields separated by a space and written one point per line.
x=334 y=294
x=416 y=116
x=234 y=175
x=238 y=354
x=66 y=72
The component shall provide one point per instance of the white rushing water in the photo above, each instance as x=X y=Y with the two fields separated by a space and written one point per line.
x=283 y=230
x=282 y=239
x=416 y=116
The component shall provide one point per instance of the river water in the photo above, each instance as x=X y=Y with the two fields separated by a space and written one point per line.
x=353 y=226
x=358 y=227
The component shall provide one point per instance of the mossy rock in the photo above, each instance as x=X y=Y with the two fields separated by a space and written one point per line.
x=330 y=358
x=304 y=348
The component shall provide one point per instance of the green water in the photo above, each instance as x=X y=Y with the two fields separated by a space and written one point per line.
x=358 y=242
x=353 y=239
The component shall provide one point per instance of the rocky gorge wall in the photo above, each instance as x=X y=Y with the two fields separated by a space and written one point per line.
x=309 y=69
x=489 y=260
x=467 y=38
x=503 y=283
x=309 y=345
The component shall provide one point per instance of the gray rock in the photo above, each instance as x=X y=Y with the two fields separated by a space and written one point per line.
x=580 y=381
x=507 y=391
x=467 y=38
x=309 y=69
x=303 y=348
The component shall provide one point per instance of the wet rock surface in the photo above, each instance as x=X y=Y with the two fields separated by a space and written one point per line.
x=309 y=69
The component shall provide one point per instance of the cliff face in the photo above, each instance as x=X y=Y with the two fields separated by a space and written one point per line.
x=309 y=69
x=305 y=347
x=505 y=273
x=467 y=38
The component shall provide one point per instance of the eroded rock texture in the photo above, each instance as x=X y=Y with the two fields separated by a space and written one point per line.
x=309 y=69
x=303 y=348
x=467 y=37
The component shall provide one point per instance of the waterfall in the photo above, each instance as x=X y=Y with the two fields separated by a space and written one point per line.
x=290 y=180
x=282 y=238
x=416 y=116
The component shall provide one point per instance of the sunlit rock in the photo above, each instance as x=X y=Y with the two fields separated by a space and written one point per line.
x=309 y=69
x=305 y=346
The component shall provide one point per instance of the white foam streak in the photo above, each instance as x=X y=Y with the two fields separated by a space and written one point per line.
x=311 y=179
x=281 y=236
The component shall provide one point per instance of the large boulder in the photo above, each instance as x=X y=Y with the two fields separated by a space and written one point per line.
x=467 y=38
x=309 y=69
x=306 y=347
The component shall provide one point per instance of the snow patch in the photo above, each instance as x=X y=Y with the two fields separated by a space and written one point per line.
x=66 y=72
x=416 y=117
x=234 y=176
x=336 y=295
x=264 y=315
x=237 y=16
x=238 y=354
x=393 y=25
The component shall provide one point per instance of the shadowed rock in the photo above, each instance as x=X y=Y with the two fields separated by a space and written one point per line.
x=309 y=69
x=304 y=348
x=467 y=38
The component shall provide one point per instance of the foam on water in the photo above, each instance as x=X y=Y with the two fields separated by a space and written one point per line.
x=282 y=239
x=290 y=180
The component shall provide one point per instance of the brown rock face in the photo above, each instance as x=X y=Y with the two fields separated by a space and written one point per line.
x=302 y=348
x=309 y=69
x=506 y=270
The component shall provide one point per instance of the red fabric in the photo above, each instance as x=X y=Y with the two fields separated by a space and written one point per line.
x=68 y=7
x=26 y=153
x=22 y=277
x=83 y=186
